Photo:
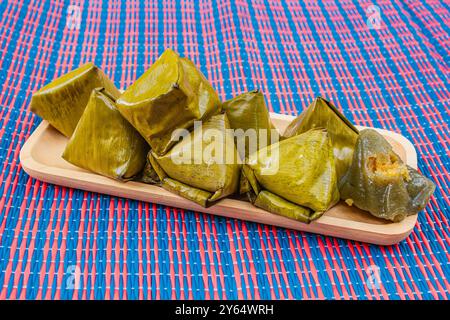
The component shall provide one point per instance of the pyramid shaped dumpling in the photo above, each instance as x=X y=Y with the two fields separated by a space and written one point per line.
x=171 y=95
x=323 y=114
x=104 y=142
x=62 y=101
x=249 y=113
x=203 y=166
x=295 y=177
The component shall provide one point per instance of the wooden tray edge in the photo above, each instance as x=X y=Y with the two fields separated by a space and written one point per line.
x=387 y=234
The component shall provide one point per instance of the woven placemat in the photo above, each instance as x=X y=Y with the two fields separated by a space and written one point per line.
x=383 y=65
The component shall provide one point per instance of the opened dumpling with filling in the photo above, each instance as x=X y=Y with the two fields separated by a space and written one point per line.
x=379 y=182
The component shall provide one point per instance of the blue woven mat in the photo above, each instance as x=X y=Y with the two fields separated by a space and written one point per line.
x=384 y=64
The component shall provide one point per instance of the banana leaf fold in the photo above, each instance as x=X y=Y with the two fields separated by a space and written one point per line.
x=203 y=166
x=249 y=117
x=104 y=142
x=295 y=177
x=148 y=174
x=379 y=182
x=170 y=95
x=62 y=101
x=323 y=114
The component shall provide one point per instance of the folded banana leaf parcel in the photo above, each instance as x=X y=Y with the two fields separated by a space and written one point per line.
x=170 y=95
x=62 y=101
x=203 y=166
x=295 y=177
x=323 y=114
x=378 y=181
x=104 y=142
x=250 y=120
x=253 y=129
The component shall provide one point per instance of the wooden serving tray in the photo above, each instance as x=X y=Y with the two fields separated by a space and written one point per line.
x=41 y=158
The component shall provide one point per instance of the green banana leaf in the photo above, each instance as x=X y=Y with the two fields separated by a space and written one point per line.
x=104 y=142
x=295 y=177
x=379 y=182
x=171 y=95
x=271 y=202
x=248 y=112
x=323 y=114
x=148 y=174
x=203 y=166
x=62 y=101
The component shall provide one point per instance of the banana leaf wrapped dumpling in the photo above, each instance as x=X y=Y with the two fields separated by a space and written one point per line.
x=323 y=114
x=104 y=142
x=203 y=166
x=378 y=181
x=170 y=95
x=248 y=113
x=295 y=177
x=62 y=101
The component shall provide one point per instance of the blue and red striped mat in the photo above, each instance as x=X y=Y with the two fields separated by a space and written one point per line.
x=384 y=64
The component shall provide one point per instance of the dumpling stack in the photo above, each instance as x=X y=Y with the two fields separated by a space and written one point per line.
x=172 y=96
x=169 y=128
